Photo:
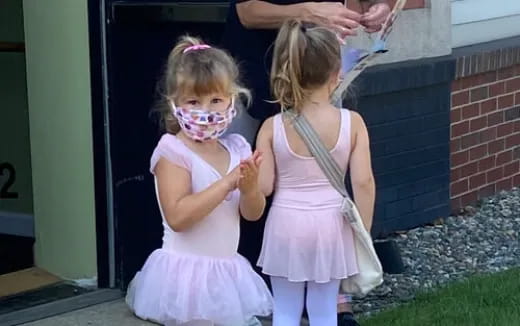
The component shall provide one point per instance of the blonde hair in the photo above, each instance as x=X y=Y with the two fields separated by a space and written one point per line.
x=305 y=57
x=199 y=72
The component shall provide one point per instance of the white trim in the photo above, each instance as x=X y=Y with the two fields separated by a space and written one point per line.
x=17 y=224
x=468 y=11
x=485 y=31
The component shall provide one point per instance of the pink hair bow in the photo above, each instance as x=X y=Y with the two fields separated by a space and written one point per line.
x=196 y=47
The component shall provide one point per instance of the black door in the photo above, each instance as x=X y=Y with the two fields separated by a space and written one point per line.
x=139 y=38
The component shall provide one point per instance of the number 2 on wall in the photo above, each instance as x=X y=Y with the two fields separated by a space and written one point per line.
x=11 y=177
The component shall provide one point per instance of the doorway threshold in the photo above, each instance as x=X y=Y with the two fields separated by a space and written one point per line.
x=50 y=301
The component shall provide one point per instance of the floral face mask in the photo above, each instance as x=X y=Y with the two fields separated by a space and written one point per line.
x=202 y=125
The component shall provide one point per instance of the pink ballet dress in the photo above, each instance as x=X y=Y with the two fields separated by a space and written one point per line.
x=306 y=237
x=198 y=274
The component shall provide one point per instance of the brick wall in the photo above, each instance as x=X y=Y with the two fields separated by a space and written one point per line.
x=485 y=126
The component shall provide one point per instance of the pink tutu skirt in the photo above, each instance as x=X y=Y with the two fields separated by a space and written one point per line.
x=173 y=288
x=308 y=245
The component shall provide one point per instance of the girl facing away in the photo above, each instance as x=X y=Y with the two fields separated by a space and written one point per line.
x=308 y=246
x=203 y=183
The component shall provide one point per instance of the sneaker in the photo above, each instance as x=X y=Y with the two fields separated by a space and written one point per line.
x=347 y=319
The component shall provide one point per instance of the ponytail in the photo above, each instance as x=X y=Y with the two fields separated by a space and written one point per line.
x=305 y=57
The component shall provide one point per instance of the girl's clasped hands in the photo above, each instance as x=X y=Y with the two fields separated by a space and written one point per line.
x=245 y=175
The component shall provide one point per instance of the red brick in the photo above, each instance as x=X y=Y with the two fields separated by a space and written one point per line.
x=478 y=152
x=517 y=98
x=517 y=126
x=487 y=77
x=410 y=4
x=513 y=140
x=478 y=123
x=495 y=174
x=486 y=191
x=506 y=73
x=477 y=181
x=512 y=169
x=469 y=169
x=506 y=101
x=470 y=81
x=456 y=85
x=496 y=146
x=455 y=115
x=479 y=94
x=488 y=135
x=512 y=114
x=414 y=4
x=459 y=187
x=454 y=175
x=505 y=129
x=459 y=99
x=513 y=85
x=486 y=163
x=470 y=140
x=495 y=118
x=516 y=153
x=459 y=158
x=459 y=129
x=506 y=184
x=497 y=89
x=455 y=204
x=488 y=106
x=516 y=180
x=455 y=145
x=504 y=157
x=470 y=111
x=469 y=198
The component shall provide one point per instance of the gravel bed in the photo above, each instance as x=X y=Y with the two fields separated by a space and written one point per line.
x=482 y=239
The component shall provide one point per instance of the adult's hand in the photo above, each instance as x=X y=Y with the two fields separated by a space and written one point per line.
x=333 y=15
x=374 y=18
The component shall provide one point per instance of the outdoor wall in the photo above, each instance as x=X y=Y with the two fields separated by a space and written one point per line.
x=423 y=30
x=477 y=21
x=15 y=156
x=485 y=121
x=57 y=54
x=407 y=110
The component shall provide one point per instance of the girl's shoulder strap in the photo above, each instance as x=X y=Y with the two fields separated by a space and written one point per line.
x=173 y=150
x=238 y=144
x=346 y=129
x=278 y=129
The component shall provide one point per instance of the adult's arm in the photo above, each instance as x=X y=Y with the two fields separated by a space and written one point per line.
x=262 y=14
x=375 y=14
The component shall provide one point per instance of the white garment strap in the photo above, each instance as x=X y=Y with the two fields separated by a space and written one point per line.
x=378 y=48
x=323 y=157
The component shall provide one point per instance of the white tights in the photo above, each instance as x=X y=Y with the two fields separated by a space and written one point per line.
x=289 y=300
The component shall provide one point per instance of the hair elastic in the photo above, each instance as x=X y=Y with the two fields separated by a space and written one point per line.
x=196 y=47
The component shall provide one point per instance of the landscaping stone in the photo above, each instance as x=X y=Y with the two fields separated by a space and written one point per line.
x=482 y=239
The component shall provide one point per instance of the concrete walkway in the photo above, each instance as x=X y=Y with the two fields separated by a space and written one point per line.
x=105 y=314
x=109 y=313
